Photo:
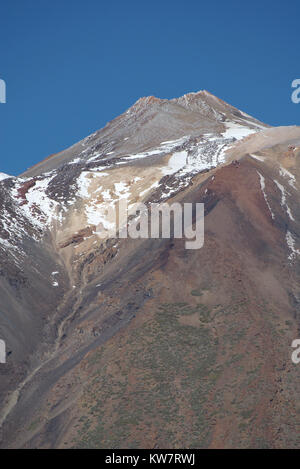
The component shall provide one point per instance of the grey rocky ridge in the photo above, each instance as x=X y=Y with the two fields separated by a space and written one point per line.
x=140 y=343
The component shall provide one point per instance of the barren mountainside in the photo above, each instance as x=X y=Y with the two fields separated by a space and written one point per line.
x=142 y=343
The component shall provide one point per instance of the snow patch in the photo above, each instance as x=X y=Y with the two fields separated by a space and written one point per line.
x=177 y=161
x=291 y=244
x=285 y=173
x=164 y=147
x=121 y=190
x=263 y=186
x=256 y=157
x=39 y=209
x=4 y=176
x=284 y=199
x=237 y=131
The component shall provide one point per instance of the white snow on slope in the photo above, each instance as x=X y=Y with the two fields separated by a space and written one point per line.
x=36 y=197
x=291 y=244
x=83 y=183
x=4 y=176
x=188 y=156
x=121 y=190
x=256 y=124
x=237 y=131
x=38 y=208
x=177 y=161
x=284 y=199
x=263 y=186
x=164 y=147
x=97 y=215
x=256 y=157
x=285 y=173
x=208 y=153
x=76 y=160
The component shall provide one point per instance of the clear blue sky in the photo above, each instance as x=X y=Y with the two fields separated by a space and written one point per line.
x=71 y=66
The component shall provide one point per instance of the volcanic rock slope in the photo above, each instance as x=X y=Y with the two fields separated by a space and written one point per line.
x=132 y=343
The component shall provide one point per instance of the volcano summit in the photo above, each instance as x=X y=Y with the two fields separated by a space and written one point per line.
x=141 y=343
